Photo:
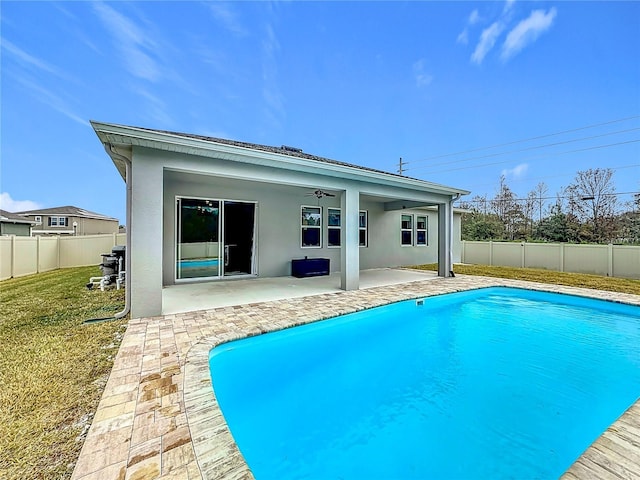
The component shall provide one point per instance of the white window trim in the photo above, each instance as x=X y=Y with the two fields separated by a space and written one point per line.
x=63 y=223
x=52 y=220
x=332 y=227
x=38 y=219
x=411 y=230
x=319 y=227
x=365 y=228
x=425 y=230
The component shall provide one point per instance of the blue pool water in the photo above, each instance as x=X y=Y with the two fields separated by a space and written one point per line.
x=492 y=383
x=210 y=262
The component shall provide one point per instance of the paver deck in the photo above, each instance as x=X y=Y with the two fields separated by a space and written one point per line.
x=158 y=417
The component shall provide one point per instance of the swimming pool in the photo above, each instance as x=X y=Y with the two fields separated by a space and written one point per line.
x=491 y=383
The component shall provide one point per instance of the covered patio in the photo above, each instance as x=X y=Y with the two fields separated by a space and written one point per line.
x=206 y=295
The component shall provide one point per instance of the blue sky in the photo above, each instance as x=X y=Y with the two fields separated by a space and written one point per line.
x=363 y=82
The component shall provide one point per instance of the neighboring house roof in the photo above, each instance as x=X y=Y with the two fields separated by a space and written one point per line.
x=69 y=211
x=122 y=135
x=9 y=217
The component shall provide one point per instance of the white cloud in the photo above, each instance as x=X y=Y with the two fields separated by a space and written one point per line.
x=516 y=172
x=10 y=205
x=52 y=99
x=423 y=79
x=463 y=37
x=508 y=5
x=228 y=18
x=474 y=17
x=29 y=60
x=527 y=31
x=135 y=45
x=487 y=41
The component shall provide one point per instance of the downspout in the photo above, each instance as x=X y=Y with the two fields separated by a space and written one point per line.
x=127 y=288
x=127 y=266
x=453 y=199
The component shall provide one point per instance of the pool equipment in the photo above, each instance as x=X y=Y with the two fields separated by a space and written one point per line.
x=113 y=269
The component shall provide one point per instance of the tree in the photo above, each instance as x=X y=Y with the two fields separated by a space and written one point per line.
x=592 y=199
x=478 y=226
x=506 y=207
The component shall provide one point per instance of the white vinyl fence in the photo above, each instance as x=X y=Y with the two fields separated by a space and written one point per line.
x=21 y=256
x=609 y=260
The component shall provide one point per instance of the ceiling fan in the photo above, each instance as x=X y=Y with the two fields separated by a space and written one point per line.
x=320 y=194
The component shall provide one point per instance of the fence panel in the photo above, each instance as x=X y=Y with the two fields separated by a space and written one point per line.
x=6 y=252
x=626 y=261
x=84 y=250
x=48 y=254
x=21 y=256
x=608 y=260
x=25 y=256
x=543 y=255
x=507 y=254
x=478 y=253
x=586 y=259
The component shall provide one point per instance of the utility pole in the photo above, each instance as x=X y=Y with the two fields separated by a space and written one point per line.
x=400 y=165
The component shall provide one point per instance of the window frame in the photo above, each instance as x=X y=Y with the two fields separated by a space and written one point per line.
x=303 y=226
x=38 y=219
x=337 y=228
x=425 y=230
x=409 y=230
x=53 y=221
x=364 y=229
x=63 y=222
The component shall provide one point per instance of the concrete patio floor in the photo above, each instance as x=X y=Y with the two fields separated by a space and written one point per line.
x=188 y=297
x=159 y=418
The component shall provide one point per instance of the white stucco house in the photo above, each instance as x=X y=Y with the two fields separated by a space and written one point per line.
x=206 y=209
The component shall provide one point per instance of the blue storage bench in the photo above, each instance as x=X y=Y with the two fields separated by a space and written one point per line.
x=309 y=267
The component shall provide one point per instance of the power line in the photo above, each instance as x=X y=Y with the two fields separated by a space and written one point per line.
x=526 y=149
x=549 y=198
x=539 y=156
x=529 y=139
x=621 y=167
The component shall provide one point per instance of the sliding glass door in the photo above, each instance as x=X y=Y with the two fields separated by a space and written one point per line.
x=214 y=238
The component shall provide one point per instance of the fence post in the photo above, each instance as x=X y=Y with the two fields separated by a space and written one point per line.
x=490 y=252
x=464 y=245
x=57 y=251
x=522 y=254
x=37 y=253
x=610 y=260
x=562 y=257
x=13 y=255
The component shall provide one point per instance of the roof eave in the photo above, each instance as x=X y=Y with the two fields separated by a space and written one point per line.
x=128 y=137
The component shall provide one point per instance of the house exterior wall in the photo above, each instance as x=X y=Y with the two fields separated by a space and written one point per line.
x=159 y=175
x=278 y=225
x=86 y=226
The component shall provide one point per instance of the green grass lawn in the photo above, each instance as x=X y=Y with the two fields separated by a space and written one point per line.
x=52 y=368
x=598 y=282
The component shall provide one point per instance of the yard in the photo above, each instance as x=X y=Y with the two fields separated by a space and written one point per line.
x=53 y=369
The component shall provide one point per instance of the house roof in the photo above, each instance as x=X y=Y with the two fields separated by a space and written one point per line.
x=68 y=210
x=122 y=135
x=9 y=217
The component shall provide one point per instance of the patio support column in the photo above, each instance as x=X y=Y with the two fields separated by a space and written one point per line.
x=146 y=235
x=445 y=238
x=350 y=233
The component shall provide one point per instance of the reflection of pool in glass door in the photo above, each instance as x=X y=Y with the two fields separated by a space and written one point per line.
x=201 y=223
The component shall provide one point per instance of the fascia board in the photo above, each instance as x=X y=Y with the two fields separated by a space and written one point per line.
x=132 y=136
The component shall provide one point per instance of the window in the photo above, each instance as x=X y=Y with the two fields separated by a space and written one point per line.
x=311 y=224
x=334 y=219
x=406 y=230
x=63 y=221
x=38 y=219
x=53 y=221
x=362 y=226
x=421 y=230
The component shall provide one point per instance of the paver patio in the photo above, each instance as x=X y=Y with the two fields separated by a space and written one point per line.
x=158 y=417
